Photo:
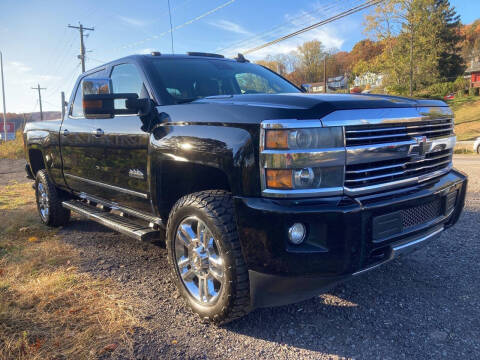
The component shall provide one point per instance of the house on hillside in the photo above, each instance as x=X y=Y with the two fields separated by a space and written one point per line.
x=333 y=84
x=473 y=72
x=371 y=79
x=338 y=82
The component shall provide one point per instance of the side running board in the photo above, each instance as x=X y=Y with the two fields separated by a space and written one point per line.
x=135 y=228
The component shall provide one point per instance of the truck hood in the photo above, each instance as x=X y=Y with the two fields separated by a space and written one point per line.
x=254 y=108
x=321 y=102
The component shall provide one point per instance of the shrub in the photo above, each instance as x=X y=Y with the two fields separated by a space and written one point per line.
x=460 y=93
x=438 y=90
x=461 y=83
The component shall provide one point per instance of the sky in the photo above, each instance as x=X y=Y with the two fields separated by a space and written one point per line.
x=39 y=48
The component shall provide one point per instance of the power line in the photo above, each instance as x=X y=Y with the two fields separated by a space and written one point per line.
x=96 y=60
x=81 y=28
x=39 y=89
x=343 y=14
x=199 y=17
x=70 y=77
x=59 y=67
x=277 y=28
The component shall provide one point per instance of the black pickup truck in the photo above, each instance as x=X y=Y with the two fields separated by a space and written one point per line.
x=264 y=195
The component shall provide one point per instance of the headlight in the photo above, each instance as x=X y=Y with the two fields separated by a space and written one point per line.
x=315 y=138
x=299 y=159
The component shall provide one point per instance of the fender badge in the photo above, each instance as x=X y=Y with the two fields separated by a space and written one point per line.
x=135 y=173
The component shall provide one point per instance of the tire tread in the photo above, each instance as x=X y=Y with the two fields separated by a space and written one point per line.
x=58 y=214
x=218 y=206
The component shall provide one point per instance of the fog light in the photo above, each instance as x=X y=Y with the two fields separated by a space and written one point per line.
x=296 y=233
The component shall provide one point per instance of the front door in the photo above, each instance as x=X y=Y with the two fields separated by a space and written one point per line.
x=125 y=146
x=80 y=154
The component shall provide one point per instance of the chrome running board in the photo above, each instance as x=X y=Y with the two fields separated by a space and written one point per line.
x=135 y=228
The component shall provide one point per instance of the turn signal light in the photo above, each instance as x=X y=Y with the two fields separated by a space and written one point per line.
x=276 y=139
x=93 y=104
x=279 y=179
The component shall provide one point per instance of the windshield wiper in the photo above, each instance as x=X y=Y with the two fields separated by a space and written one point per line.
x=183 y=101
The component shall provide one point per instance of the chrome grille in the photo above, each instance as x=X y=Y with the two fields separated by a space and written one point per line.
x=373 y=173
x=395 y=132
x=421 y=214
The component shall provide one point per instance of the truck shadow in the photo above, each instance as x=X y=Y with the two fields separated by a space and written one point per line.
x=423 y=303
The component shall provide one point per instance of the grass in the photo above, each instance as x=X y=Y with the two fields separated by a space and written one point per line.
x=13 y=149
x=458 y=102
x=49 y=309
x=467 y=117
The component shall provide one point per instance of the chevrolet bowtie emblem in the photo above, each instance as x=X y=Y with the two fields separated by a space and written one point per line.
x=421 y=148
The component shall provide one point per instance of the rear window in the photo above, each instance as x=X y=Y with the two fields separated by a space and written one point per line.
x=190 y=79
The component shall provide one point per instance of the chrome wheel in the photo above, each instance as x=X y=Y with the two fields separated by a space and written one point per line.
x=198 y=260
x=43 y=202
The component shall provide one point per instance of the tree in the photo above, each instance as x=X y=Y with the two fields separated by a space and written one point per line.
x=450 y=63
x=470 y=40
x=366 y=50
x=311 y=55
x=420 y=41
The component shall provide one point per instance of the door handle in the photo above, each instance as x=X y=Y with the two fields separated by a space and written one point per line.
x=66 y=132
x=98 y=132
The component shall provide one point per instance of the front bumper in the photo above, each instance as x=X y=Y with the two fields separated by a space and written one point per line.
x=342 y=239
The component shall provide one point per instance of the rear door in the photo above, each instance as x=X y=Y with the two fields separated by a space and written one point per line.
x=80 y=157
x=125 y=145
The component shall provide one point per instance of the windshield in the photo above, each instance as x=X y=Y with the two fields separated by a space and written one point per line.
x=184 y=80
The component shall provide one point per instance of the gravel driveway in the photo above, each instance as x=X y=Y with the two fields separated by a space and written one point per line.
x=423 y=306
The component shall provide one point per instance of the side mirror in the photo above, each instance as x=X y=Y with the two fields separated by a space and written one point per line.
x=304 y=87
x=98 y=101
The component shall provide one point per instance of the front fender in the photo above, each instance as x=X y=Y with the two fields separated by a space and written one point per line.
x=181 y=156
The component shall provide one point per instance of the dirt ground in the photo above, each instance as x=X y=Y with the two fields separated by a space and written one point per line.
x=423 y=306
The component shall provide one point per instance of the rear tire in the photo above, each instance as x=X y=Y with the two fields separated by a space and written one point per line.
x=205 y=256
x=49 y=203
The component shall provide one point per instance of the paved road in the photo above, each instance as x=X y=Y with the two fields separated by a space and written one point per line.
x=423 y=306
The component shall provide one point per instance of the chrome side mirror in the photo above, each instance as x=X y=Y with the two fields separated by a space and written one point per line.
x=97 y=107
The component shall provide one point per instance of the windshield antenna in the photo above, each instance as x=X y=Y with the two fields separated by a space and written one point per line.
x=171 y=28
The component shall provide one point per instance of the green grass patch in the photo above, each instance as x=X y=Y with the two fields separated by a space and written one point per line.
x=458 y=102
x=467 y=117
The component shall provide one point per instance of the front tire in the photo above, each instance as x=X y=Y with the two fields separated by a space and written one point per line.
x=205 y=256
x=49 y=204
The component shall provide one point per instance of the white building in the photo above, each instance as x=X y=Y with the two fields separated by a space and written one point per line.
x=369 y=78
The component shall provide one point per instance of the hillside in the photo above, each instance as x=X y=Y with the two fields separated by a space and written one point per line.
x=467 y=117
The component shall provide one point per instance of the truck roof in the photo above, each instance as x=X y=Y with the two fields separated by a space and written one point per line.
x=154 y=54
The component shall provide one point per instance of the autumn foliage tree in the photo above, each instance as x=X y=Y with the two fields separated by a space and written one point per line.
x=421 y=40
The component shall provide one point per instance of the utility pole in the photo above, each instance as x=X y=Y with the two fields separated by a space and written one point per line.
x=3 y=94
x=81 y=29
x=325 y=74
x=39 y=98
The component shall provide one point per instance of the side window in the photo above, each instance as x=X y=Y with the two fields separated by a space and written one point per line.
x=126 y=79
x=77 y=106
